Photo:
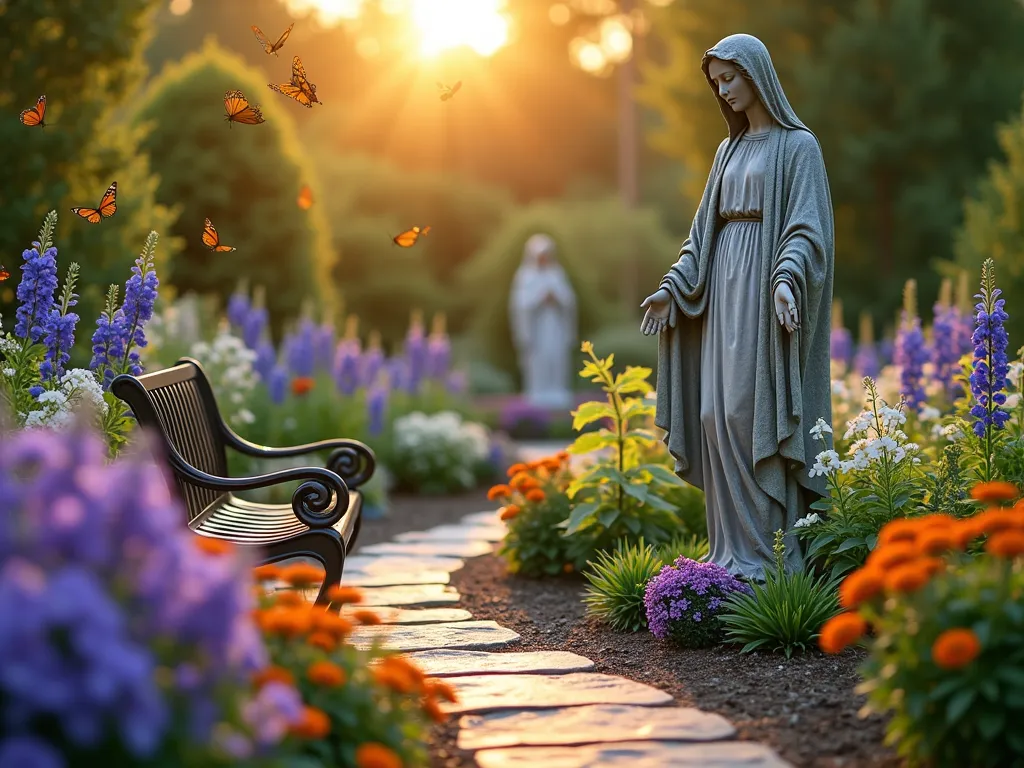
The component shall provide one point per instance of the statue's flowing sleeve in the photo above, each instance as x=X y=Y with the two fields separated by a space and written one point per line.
x=687 y=278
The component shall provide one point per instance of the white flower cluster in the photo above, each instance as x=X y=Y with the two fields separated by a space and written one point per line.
x=888 y=440
x=440 y=443
x=79 y=391
x=807 y=522
x=179 y=321
x=229 y=366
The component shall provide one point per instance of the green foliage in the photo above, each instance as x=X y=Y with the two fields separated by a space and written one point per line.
x=960 y=714
x=785 y=613
x=245 y=179
x=534 y=545
x=878 y=485
x=86 y=59
x=615 y=594
x=612 y=256
x=687 y=545
x=949 y=492
x=618 y=497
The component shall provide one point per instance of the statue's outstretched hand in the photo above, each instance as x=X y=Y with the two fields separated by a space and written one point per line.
x=786 y=311
x=656 y=317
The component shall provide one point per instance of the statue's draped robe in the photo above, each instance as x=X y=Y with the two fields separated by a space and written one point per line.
x=790 y=372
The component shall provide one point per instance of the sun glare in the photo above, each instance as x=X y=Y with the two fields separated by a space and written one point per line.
x=443 y=24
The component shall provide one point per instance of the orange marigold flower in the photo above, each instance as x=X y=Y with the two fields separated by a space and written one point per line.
x=315 y=724
x=366 y=618
x=1009 y=543
x=433 y=710
x=393 y=678
x=286 y=620
x=268 y=572
x=955 y=648
x=997 y=519
x=520 y=481
x=967 y=531
x=288 y=598
x=498 y=492
x=859 y=586
x=515 y=469
x=891 y=555
x=272 y=674
x=897 y=530
x=936 y=541
x=562 y=455
x=535 y=464
x=332 y=624
x=906 y=577
x=552 y=464
x=841 y=631
x=301 y=385
x=374 y=755
x=405 y=666
x=212 y=546
x=567 y=568
x=323 y=641
x=326 y=674
x=931 y=565
x=302 y=575
x=441 y=690
x=509 y=512
x=536 y=495
x=994 y=491
x=344 y=595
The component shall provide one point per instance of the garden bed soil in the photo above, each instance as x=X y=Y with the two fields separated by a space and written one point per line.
x=804 y=708
x=412 y=512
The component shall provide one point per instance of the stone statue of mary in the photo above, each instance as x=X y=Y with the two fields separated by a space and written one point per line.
x=542 y=311
x=744 y=319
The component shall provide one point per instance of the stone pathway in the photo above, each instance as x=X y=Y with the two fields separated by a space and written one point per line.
x=520 y=710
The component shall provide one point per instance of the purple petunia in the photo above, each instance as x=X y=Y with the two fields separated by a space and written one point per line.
x=683 y=600
x=35 y=292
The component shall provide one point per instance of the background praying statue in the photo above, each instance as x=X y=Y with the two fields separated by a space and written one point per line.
x=744 y=316
x=542 y=308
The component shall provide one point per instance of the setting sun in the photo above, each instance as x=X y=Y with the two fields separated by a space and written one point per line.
x=444 y=24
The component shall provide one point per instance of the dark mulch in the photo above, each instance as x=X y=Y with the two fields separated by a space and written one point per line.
x=418 y=513
x=804 y=708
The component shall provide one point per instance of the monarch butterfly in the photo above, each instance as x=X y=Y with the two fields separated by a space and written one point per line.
x=238 y=110
x=268 y=46
x=4 y=274
x=34 y=116
x=299 y=88
x=305 y=200
x=212 y=240
x=106 y=208
x=447 y=91
x=408 y=238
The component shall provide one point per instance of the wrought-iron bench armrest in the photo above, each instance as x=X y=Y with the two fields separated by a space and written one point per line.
x=351 y=460
x=320 y=502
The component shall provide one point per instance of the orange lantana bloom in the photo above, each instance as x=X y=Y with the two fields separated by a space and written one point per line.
x=955 y=648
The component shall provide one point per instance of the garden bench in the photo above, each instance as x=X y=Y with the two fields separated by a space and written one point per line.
x=323 y=520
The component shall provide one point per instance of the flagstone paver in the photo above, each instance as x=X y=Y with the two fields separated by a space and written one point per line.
x=380 y=564
x=449 y=663
x=469 y=635
x=435 y=548
x=422 y=595
x=487 y=517
x=490 y=693
x=455 y=533
x=592 y=724
x=642 y=754
x=397 y=579
x=413 y=615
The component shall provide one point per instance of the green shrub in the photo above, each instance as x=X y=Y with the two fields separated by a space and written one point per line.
x=785 y=613
x=534 y=544
x=615 y=594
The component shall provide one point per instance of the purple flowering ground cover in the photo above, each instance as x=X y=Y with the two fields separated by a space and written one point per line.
x=804 y=708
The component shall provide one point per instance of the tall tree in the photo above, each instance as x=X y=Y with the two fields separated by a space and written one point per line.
x=86 y=59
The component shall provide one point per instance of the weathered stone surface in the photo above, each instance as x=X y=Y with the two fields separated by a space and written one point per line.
x=487 y=517
x=593 y=724
x=490 y=693
x=398 y=579
x=463 y=634
x=391 y=564
x=445 y=663
x=435 y=548
x=455 y=533
x=640 y=754
x=421 y=595
x=413 y=615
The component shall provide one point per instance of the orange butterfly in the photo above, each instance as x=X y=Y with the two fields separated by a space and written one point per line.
x=408 y=238
x=447 y=91
x=238 y=110
x=299 y=88
x=268 y=46
x=4 y=274
x=106 y=208
x=212 y=240
x=305 y=200
x=34 y=116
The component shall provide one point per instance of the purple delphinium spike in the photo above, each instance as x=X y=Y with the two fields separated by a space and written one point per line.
x=254 y=325
x=456 y=383
x=238 y=309
x=266 y=358
x=911 y=352
x=439 y=353
x=886 y=348
x=991 y=366
x=415 y=356
x=346 y=367
x=108 y=340
x=35 y=292
x=140 y=293
x=299 y=349
x=277 y=384
x=841 y=345
x=865 y=362
x=371 y=364
x=376 y=407
x=59 y=335
x=323 y=346
x=945 y=354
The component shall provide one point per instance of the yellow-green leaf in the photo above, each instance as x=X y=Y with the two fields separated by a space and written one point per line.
x=590 y=412
x=592 y=441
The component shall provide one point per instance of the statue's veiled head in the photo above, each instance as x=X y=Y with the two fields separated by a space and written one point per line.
x=539 y=251
x=736 y=89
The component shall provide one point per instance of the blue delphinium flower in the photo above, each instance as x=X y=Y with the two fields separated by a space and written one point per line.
x=59 y=335
x=300 y=349
x=415 y=356
x=439 y=354
x=35 y=292
x=254 y=325
x=277 y=384
x=886 y=348
x=140 y=293
x=988 y=379
x=108 y=340
x=371 y=363
x=945 y=354
x=841 y=345
x=266 y=358
x=238 y=309
x=911 y=352
x=346 y=366
x=323 y=346
x=865 y=362
x=376 y=407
